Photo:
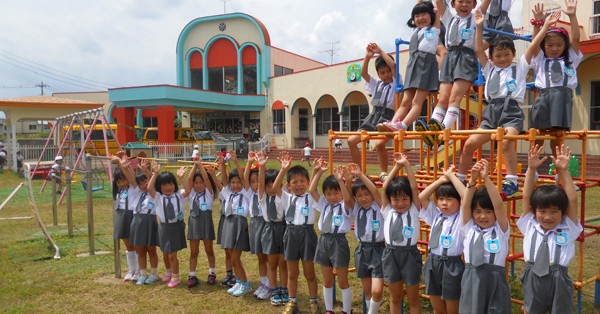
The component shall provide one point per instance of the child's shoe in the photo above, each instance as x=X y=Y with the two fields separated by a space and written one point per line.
x=243 y=289
x=153 y=278
x=128 y=277
x=212 y=279
x=435 y=125
x=228 y=281
x=166 y=277
x=141 y=280
x=265 y=294
x=174 y=283
x=291 y=308
x=285 y=297
x=135 y=276
x=420 y=126
x=510 y=189
x=237 y=285
x=389 y=126
x=313 y=308
x=258 y=290
x=192 y=281
x=276 y=298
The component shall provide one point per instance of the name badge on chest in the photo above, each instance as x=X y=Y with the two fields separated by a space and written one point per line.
x=466 y=33
x=123 y=195
x=511 y=85
x=446 y=241
x=408 y=232
x=375 y=224
x=180 y=215
x=337 y=220
x=203 y=207
x=304 y=211
x=492 y=245
x=561 y=238
x=569 y=71
x=429 y=34
x=239 y=210
x=150 y=205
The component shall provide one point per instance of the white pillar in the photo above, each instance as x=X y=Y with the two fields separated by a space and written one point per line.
x=314 y=130
x=13 y=130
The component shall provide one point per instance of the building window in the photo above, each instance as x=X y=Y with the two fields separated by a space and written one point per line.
x=223 y=79
x=279 y=121
x=354 y=116
x=249 y=79
x=595 y=19
x=303 y=120
x=595 y=106
x=327 y=119
x=32 y=127
x=150 y=122
x=279 y=70
x=197 y=79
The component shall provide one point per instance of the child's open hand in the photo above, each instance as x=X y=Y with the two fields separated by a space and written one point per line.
x=155 y=166
x=553 y=18
x=401 y=159
x=354 y=169
x=339 y=172
x=533 y=157
x=261 y=159
x=181 y=172
x=375 y=48
x=251 y=156
x=570 y=7
x=143 y=165
x=449 y=172
x=563 y=155
x=285 y=159
x=538 y=12
x=479 y=18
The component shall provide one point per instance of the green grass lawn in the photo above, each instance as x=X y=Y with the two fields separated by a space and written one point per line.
x=31 y=280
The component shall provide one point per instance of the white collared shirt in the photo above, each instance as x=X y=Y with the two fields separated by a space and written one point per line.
x=538 y=64
x=379 y=220
x=299 y=219
x=471 y=230
x=387 y=91
x=450 y=227
x=207 y=199
x=341 y=216
x=147 y=206
x=462 y=27
x=505 y=77
x=178 y=205
x=428 y=44
x=390 y=215
x=249 y=194
x=131 y=196
x=262 y=203
x=229 y=196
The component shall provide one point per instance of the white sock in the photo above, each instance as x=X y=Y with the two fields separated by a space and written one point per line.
x=137 y=262
x=462 y=177
x=402 y=124
x=264 y=280
x=131 y=261
x=192 y=273
x=451 y=117
x=438 y=114
x=512 y=178
x=328 y=296
x=374 y=308
x=347 y=300
x=212 y=271
x=142 y=272
x=368 y=303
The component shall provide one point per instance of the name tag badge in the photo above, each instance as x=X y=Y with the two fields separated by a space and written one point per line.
x=239 y=210
x=561 y=238
x=180 y=215
x=408 y=232
x=337 y=220
x=493 y=246
x=375 y=224
x=123 y=195
x=304 y=211
x=203 y=207
x=429 y=34
x=150 y=205
x=569 y=71
x=446 y=241
x=466 y=33
x=511 y=85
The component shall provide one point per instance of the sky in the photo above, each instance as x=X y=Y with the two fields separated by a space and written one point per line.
x=74 y=46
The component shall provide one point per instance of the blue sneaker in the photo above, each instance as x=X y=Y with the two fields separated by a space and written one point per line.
x=141 y=280
x=153 y=278
x=276 y=297
x=243 y=289
x=285 y=297
x=237 y=285
x=510 y=189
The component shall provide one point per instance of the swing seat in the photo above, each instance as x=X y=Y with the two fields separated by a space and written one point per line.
x=94 y=188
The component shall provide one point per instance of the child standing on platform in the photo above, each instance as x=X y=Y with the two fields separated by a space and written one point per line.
x=366 y=206
x=333 y=252
x=504 y=90
x=164 y=190
x=496 y=18
x=550 y=227
x=200 y=195
x=275 y=226
x=300 y=238
x=486 y=234
x=444 y=266
x=554 y=56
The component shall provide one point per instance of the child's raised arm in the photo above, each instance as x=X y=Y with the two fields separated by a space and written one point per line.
x=151 y=183
x=425 y=195
x=440 y=7
x=571 y=11
x=452 y=178
x=364 y=71
x=534 y=47
x=479 y=47
x=210 y=170
x=320 y=166
x=533 y=162
x=465 y=205
x=261 y=159
x=246 y=174
x=221 y=166
x=538 y=15
x=286 y=162
x=388 y=60
x=561 y=162
x=355 y=170
x=186 y=183
x=339 y=173
x=496 y=198
x=127 y=171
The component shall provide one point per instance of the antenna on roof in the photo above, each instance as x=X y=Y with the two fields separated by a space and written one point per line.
x=224 y=5
x=334 y=49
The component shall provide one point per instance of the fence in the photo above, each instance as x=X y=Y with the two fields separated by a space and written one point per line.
x=174 y=152
x=263 y=145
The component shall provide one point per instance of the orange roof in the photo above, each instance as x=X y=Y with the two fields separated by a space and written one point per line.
x=48 y=101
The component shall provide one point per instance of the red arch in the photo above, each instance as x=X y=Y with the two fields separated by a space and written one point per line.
x=222 y=53
x=249 y=56
x=196 y=60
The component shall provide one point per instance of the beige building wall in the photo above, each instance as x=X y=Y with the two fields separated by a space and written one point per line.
x=292 y=61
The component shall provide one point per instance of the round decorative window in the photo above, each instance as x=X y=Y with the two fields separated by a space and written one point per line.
x=222 y=27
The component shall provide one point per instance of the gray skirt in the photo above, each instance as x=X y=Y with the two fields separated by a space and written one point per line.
x=501 y=22
x=220 y=228
x=144 y=230
x=201 y=227
x=235 y=233
x=171 y=236
x=502 y=113
x=257 y=226
x=272 y=237
x=299 y=243
x=553 y=292
x=459 y=63
x=122 y=224
x=402 y=263
x=484 y=290
x=332 y=250
x=442 y=276
x=367 y=259
x=422 y=72
x=552 y=109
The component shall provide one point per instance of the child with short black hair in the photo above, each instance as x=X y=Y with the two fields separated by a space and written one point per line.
x=550 y=226
x=333 y=252
x=229 y=280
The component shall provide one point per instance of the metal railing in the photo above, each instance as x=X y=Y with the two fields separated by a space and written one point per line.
x=263 y=145
x=174 y=152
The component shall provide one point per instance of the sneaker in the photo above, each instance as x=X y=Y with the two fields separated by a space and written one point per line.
x=237 y=285
x=313 y=308
x=291 y=308
x=420 y=126
x=285 y=297
x=141 y=280
x=435 y=125
x=389 y=127
x=135 y=276
x=276 y=298
x=243 y=289
x=510 y=189
x=228 y=281
x=192 y=281
x=174 y=283
x=382 y=176
x=265 y=294
x=128 y=277
x=153 y=278
x=232 y=281
x=166 y=277
x=258 y=290
x=212 y=279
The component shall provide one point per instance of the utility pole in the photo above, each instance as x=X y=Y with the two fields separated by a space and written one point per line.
x=41 y=86
x=331 y=52
x=224 y=5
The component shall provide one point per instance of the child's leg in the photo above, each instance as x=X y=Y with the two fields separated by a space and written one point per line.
x=262 y=268
x=238 y=267
x=376 y=294
x=439 y=305
x=412 y=291
x=404 y=105
x=311 y=278
x=367 y=288
x=353 y=142
x=443 y=99
x=194 y=251
x=474 y=142
x=132 y=258
x=293 y=273
x=452 y=306
x=509 y=153
x=174 y=262
x=396 y=296
x=153 y=257
x=327 y=273
x=272 y=263
x=415 y=107
x=210 y=253
x=382 y=154
x=283 y=271
x=459 y=88
x=141 y=256
x=342 y=276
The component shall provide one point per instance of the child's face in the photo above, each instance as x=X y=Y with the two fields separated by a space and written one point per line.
x=298 y=184
x=333 y=196
x=254 y=181
x=502 y=58
x=385 y=74
x=199 y=185
x=167 y=188
x=144 y=185
x=554 y=46
x=236 y=184
x=549 y=217
x=269 y=189
x=400 y=203
x=483 y=217
x=448 y=205
x=364 y=198
x=422 y=20
x=122 y=184
x=463 y=7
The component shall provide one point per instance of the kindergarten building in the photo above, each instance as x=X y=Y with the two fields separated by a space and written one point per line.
x=231 y=79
